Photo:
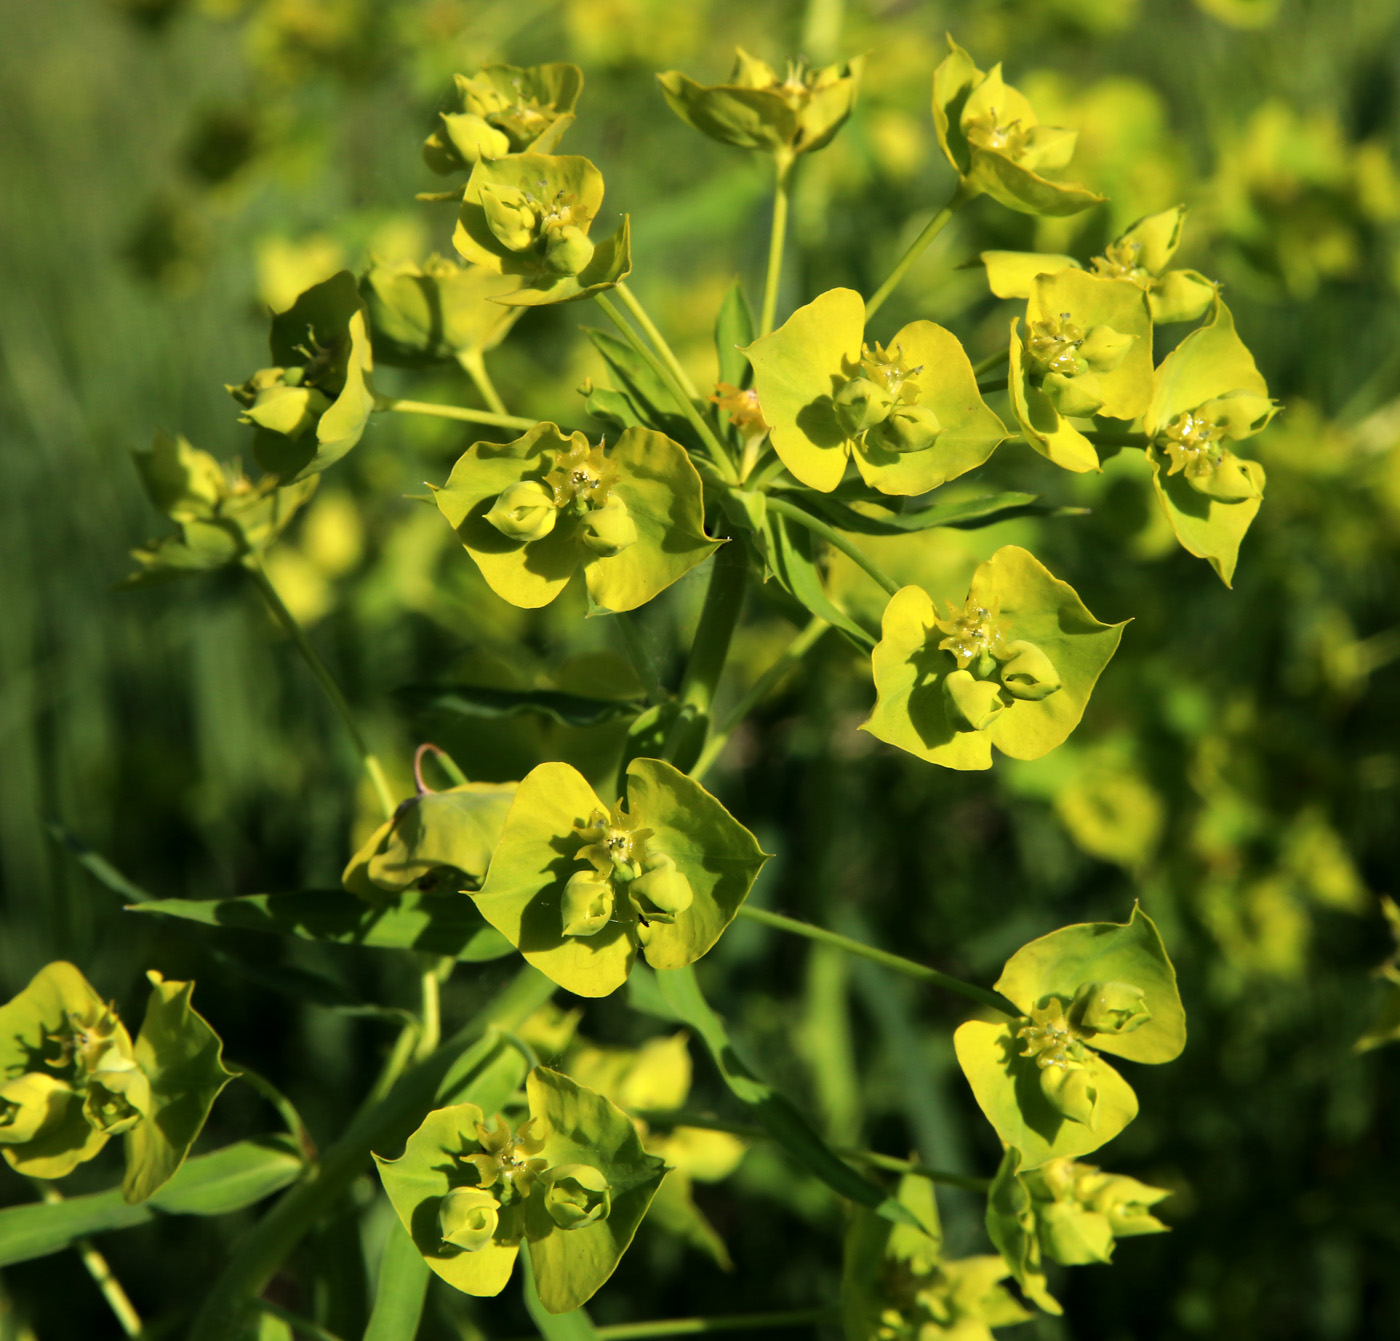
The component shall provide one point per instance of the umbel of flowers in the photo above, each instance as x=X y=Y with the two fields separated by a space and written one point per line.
x=1093 y=988
x=223 y=517
x=580 y=888
x=571 y=1183
x=71 y=1078
x=1013 y=667
x=312 y=405
x=1064 y=1212
x=504 y=109
x=534 y=511
x=908 y=411
x=1206 y=395
x=529 y=216
x=756 y=109
x=1140 y=253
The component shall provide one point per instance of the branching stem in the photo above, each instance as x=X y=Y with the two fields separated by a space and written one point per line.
x=792 y=654
x=117 y=1299
x=491 y=418
x=474 y=364
x=908 y=967
x=932 y=229
x=834 y=538
x=649 y=328
x=373 y=769
x=783 y=173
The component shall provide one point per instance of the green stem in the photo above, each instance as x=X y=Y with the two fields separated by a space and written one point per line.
x=286 y=1110
x=734 y=1322
x=668 y=356
x=261 y=1252
x=766 y=473
x=491 y=418
x=769 y=310
x=996 y=384
x=718 y=452
x=639 y=656
x=373 y=769
x=908 y=967
x=932 y=229
x=991 y=363
x=671 y=1118
x=834 y=538
x=792 y=654
x=430 y=1015
x=724 y=599
x=1118 y=438
x=474 y=364
x=111 y=1288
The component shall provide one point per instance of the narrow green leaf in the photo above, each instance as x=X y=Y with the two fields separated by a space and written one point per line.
x=967 y=516
x=680 y=991
x=465 y=700
x=402 y=1288
x=438 y=923
x=647 y=392
x=215 y=1184
x=733 y=331
x=790 y=556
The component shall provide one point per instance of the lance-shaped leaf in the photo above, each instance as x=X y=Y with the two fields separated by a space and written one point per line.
x=453 y=832
x=44 y=1132
x=182 y=1058
x=582 y=1128
x=757 y=110
x=1206 y=394
x=989 y=133
x=313 y=405
x=1140 y=254
x=646 y=481
x=949 y=688
x=1131 y=952
x=219 y=1183
x=435 y=312
x=673 y=834
x=909 y=412
x=222 y=516
x=529 y=216
x=504 y=109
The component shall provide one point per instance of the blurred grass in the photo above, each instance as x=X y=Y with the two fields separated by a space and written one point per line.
x=144 y=168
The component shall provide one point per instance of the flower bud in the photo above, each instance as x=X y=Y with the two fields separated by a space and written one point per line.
x=524 y=511
x=1228 y=480
x=509 y=216
x=587 y=904
x=467 y=1218
x=973 y=705
x=1029 y=673
x=1109 y=1008
x=1125 y=1202
x=909 y=428
x=31 y=1105
x=663 y=886
x=116 y=1100
x=1071 y=1091
x=567 y=251
x=862 y=404
x=1104 y=349
x=1239 y=414
x=576 y=1195
x=1075 y=397
x=289 y=410
x=608 y=530
x=473 y=137
x=1073 y=1236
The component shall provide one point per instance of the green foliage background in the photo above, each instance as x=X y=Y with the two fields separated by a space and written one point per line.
x=169 y=168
